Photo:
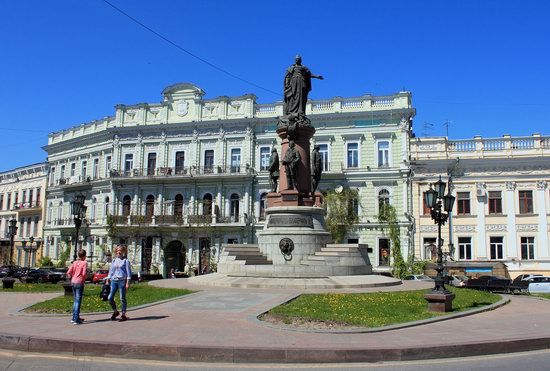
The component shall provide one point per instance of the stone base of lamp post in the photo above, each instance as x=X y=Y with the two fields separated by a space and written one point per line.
x=68 y=288
x=7 y=282
x=440 y=302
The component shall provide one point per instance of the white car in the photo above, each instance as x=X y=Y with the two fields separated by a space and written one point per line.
x=458 y=280
x=418 y=277
x=539 y=285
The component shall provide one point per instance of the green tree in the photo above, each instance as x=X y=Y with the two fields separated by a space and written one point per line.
x=45 y=261
x=387 y=216
x=64 y=255
x=341 y=215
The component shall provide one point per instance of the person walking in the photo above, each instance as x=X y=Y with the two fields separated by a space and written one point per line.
x=77 y=274
x=119 y=279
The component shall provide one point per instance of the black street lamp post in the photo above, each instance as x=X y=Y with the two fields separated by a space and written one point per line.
x=12 y=231
x=30 y=249
x=441 y=206
x=8 y=281
x=78 y=210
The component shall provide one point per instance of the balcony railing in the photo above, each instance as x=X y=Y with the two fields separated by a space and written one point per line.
x=187 y=171
x=27 y=205
x=182 y=220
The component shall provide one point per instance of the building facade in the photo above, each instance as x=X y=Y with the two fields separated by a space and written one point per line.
x=22 y=195
x=502 y=201
x=177 y=179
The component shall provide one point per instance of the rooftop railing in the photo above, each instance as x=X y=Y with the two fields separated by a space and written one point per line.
x=480 y=147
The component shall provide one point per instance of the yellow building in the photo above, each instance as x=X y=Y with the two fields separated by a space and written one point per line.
x=22 y=196
x=502 y=201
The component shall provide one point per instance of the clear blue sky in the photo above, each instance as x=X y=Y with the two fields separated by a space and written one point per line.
x=484 y=66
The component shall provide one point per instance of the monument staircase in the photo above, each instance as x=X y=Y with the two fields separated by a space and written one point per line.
x=246 y=260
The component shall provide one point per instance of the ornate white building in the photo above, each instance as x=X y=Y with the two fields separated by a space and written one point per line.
x=502 y=201
x=22 y=195
x=177 y=179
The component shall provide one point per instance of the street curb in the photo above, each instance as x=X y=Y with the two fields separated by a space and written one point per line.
x=356 y=330
x=168 y=352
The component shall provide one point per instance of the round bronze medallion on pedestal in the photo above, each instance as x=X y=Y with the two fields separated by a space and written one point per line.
x=286 y=245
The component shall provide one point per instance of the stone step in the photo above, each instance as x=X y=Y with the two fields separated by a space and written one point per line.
x=258 y=262
x=244 y=253
x=339 y=249
x=231 y=249
x=323 y=258
x=336 y=253
x=250 y=257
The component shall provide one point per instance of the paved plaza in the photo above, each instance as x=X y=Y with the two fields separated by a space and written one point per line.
x=218 y=324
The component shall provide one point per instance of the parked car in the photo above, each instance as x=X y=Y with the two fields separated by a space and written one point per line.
x=36 y=275
x=418 y=277
x=526 y=277
x=89 y=275
x=56 y=274
x=458 y=280
x=99 y=275
x=9 y=270
x=539 y=285
x=489 y=283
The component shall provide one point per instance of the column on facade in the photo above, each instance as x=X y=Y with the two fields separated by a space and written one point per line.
x=25 y=226
x=246 y=199
x=157 y=250
x=219 y=197
x=137 y=210
x=33 y=228
x=114 y=202
x=511 y=243
x=160 y=200
x=190 y=250
x=542 y=246
x=481 y=230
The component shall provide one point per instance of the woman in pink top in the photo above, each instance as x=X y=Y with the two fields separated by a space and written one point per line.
x=77 y=274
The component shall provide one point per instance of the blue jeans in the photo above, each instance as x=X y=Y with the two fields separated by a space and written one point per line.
x=118 y=285
x=78 y=291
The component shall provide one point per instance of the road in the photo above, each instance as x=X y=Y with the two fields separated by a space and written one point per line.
x=15 y=361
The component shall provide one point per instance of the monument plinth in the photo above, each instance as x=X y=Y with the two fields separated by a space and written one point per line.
x=294 y=241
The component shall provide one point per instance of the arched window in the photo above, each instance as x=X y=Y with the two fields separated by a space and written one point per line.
x=60 y=213
x=178 y=207
x=207 y=204
x=126 y=205
x=263 y=205
x=150 y=205
x=383 y=198
x=93 y=210
x=50 y=213
x=234 y=207
x=106 y=207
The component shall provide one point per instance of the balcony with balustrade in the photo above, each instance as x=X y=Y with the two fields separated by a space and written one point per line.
x=478 y=147
x=181 y=220
x=181 y=173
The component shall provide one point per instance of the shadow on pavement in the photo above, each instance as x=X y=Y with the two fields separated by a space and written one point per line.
x=145 y=318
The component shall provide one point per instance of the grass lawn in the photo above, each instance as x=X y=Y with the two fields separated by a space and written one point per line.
x=138 y=294
x=372 y=309
x=546 y=296
x=33 y=287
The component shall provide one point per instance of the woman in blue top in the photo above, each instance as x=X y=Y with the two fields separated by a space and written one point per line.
x=119 y=277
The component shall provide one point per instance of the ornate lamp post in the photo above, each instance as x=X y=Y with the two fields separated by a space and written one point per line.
x=441 y=206
x=12 y=231
x=77 y=209
x=8 y=281
x=30 y=249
